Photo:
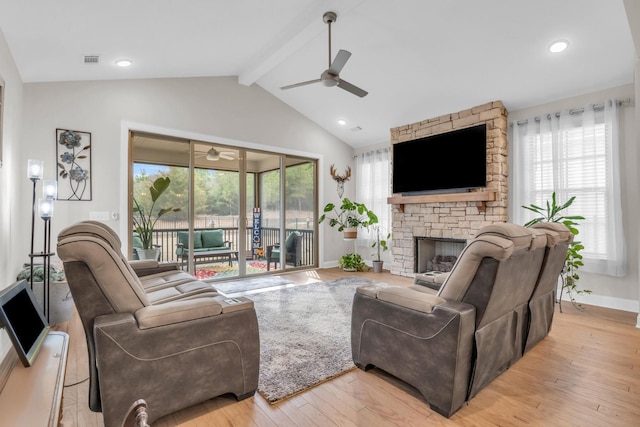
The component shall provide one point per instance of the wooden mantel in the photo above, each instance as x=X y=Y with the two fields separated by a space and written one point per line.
x=475 y=196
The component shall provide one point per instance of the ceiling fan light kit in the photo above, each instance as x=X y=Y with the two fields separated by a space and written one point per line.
x=331 y=76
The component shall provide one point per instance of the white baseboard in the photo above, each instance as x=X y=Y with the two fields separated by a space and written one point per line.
x=608 y=302
x=329 y=264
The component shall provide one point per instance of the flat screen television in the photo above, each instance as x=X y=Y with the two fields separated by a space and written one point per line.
x=454 y=161
x=23 y=320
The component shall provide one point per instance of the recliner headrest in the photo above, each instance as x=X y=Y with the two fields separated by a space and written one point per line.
x=518 y=234
x=561 y=230
x=90 y=228
x=462 y=274
x=539 y=239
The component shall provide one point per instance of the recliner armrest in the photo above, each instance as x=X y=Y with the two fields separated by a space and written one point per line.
x=410 y=298
x=177 y=312
x=405 y=297
x=185 y=310
x=177 y=363
x=147 y=267
x=138 y=264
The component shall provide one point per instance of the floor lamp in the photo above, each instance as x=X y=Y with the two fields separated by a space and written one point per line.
x=35 y=171
x=45 y=210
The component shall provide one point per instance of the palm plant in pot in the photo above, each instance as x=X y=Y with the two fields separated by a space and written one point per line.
x=380 y=246
x=569 y=274
x=348 y=217
x=144 y=219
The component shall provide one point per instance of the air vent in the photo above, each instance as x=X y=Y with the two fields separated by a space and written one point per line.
x=356 y=128
x=91 y=59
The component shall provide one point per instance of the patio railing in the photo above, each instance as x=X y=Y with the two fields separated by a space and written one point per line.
x=168 y=241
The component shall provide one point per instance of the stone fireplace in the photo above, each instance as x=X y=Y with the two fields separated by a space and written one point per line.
x=456 y=216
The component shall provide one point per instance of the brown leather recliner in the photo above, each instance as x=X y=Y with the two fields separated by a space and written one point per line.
x=542 y=302
x=174 y=353
x=452 y=344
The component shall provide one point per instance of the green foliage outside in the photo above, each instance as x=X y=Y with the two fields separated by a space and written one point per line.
x=217 y=192
x=553 y=213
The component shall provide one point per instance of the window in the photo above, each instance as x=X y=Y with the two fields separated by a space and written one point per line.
x=372 y=188
x=574 y=153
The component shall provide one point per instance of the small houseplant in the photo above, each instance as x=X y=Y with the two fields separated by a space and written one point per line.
x=380 y=246
x=144 y=220
x=352 y=262
x=348 y=217
x=569 y=274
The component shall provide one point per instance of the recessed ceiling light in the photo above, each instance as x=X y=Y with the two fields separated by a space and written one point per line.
x=558 y=46
x=124 y=62
x=342 y=122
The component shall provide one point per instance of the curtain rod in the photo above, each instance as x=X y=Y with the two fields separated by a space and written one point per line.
x=574 y=111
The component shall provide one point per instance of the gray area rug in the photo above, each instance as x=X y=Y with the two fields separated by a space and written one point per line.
x=305 y=335
x=250 y=284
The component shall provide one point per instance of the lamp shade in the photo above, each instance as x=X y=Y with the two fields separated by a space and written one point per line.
x=49 y=189
x=35 y=169
x=45 y=208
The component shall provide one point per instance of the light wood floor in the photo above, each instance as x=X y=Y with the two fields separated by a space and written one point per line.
x=585 y=373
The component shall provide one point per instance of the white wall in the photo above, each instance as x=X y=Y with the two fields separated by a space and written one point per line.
x=9 y=237
x=615 y=292
x=201 y=107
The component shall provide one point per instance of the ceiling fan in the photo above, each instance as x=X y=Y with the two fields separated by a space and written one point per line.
x=331 y=76
x=214 y=154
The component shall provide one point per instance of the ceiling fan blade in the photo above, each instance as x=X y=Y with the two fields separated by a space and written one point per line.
x=301 y=84
x=226 y=156
x=351 y=88
x=341 y=58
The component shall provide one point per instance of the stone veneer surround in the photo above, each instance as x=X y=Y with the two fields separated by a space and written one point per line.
x=451 y=219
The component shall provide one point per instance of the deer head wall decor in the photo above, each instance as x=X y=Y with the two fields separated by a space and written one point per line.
x=340 y=179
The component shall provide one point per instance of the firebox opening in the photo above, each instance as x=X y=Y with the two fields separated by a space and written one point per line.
x=433 y=257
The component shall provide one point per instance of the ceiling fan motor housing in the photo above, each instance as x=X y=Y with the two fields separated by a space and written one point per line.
x=329 y=17
x=329 y=79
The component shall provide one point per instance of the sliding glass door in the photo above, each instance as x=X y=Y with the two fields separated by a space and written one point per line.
x=216 y=206
x=264 y=211
x=160 y=216
x=299 y=207
x=233 y=212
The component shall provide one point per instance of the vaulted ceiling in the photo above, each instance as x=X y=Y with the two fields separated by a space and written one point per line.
x=416 y=58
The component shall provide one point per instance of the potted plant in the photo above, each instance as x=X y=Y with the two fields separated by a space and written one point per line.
x=352 y=262
x=144 y=220
x=348 y=217
x=569 y=274
x=380 y=245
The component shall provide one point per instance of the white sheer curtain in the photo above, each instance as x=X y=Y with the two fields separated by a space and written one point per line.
x=575 y=153
x=372 y=188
